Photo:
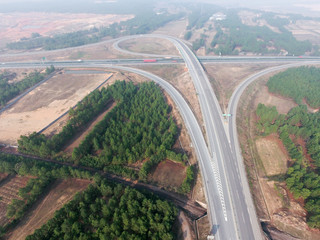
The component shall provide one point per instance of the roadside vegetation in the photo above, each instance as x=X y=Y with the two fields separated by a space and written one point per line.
x=299 y=84
x=135 y=136
x=302 y=176
x=9 y=90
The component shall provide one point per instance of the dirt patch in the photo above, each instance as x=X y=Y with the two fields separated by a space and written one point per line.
x=169 y=174
x=186 y=232
x=57 y=126
x=45 y=103
x=204 y=228
x=175 y=28
x=273 y=202
x=3 y=176
x=305 y=30
x=225 y=78
x=16 y=75
x=18 y=25
x=272 y=156
x=81 y=135
x=61 y=192
x=9 y=189
x=150 y=45
x=282 y=104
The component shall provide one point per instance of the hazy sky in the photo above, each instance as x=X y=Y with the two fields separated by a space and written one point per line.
x=298 y=6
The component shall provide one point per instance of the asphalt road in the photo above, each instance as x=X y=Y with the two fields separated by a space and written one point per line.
x=230 y=206
x=232 y=127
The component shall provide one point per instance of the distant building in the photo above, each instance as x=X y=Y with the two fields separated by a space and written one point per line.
x=218 y=16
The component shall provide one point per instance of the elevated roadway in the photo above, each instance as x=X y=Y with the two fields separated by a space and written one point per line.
x=230 y=206
x=231 y=211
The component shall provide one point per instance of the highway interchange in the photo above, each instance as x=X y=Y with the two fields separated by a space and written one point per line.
x=230 y=206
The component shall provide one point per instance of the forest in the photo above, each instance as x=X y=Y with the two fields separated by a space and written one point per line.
x=9 y=90
x=302 y=83
x=254 y=39
x=110 y=211
x=302 y=176
x=45 y=174
x=142 y=23
x=104 y=208
x=138 y=128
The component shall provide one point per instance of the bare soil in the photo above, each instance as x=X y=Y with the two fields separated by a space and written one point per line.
x=249 y=18
x=45 y=103
x=306 y=30
x=9 y=190
x=168 y=174
x=272 y=156
x=57 y=126
x=16 y=75
x=176 y=28
x=61 y=192
x=150 y=45
x=18 y=25
x=282 y=104
x=204 y=228
x=225 y=78
x=267 y=157
x=186 y=232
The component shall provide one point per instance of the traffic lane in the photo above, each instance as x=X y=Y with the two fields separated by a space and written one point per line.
x=222 y=231
x=212 y=140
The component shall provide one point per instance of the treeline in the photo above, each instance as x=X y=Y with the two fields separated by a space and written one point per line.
x=200 y=14
x=187 y=183
x=302 y=177
x=45 y=174
x=86 y=110
x=29 y=194
x=13 y=164
x=254 y=39
x=298 y=83
x=9 y=91
x=139 y=127
x=109 y=211
x=142 y=23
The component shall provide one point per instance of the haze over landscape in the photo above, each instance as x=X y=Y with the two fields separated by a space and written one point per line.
x=145 y=119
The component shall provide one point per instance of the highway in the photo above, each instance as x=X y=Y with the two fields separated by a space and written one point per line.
x=237 y=222
x=230 y=206
x=232 y=127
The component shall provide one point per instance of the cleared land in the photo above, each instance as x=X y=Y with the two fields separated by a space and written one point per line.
x=306 y=30
x=225 y=78
x=45 y=103
x=265 y=158
x=57 y=126
x=9 y=189
x=272 y=155
x=175 y=28
x=150 y=45
x=61 y=192
x=18 y=25
x=169 y=174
